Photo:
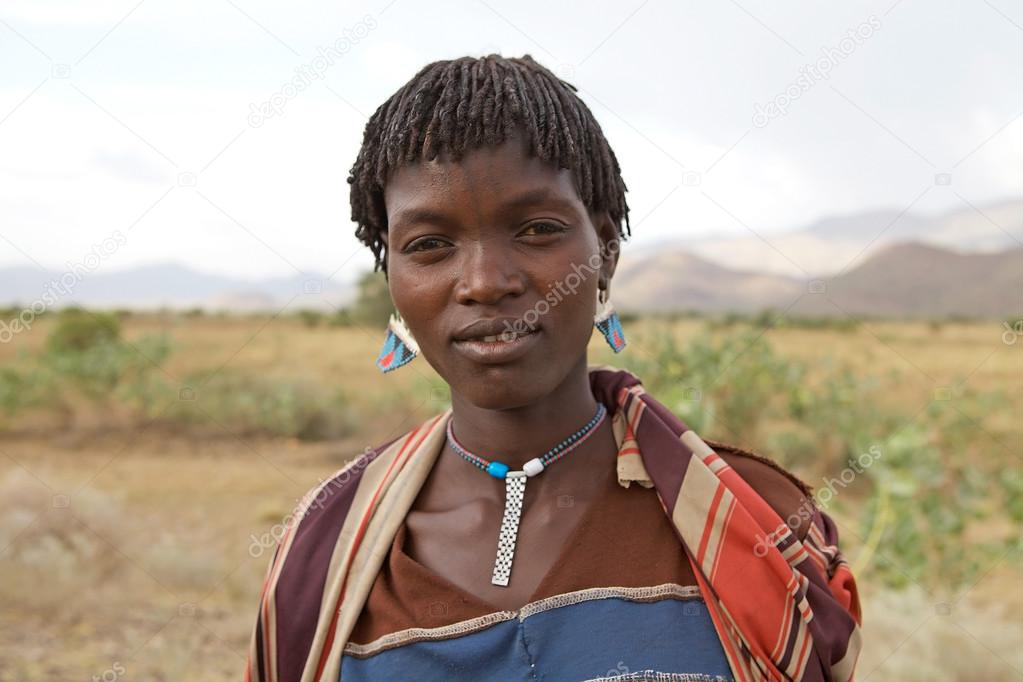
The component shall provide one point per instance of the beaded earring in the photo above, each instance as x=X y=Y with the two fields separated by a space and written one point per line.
x=399 y=345
x=607 y=321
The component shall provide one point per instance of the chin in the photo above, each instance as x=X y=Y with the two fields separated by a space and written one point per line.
x=503 y=387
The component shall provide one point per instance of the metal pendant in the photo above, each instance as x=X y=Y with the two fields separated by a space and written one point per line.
x=514 y=492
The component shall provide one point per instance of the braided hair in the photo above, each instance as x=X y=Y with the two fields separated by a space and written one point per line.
x=453 y=106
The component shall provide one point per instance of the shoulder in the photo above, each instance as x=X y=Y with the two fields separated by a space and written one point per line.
x=783 y=491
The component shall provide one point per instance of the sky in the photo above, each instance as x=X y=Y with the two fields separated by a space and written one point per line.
x=142 y=128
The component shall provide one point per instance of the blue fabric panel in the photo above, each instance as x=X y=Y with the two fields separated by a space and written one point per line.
x=591 y=639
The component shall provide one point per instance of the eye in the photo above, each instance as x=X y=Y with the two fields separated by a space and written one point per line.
x=542 y=228
x=424 y=244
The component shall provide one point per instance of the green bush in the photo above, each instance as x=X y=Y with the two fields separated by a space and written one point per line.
x=24 y=387
x=78 y=330
x=341 y=318
x=236 y=403
x=921 y=508
x=310 y=318
x=84 y=361
x=373 y=305
x=724 y=387
x=86 y=364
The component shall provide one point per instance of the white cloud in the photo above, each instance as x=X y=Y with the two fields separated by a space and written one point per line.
x=675 y=85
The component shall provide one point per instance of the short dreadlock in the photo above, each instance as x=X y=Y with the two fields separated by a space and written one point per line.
x=452 y=106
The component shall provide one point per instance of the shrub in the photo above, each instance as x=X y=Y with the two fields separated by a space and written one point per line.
x=78 y=330
x=922 y=506
x=310 y=318
x=254 y=404
x=723 y=387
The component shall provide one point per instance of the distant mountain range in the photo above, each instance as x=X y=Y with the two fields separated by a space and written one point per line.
x=879 y=263
x=909 y=280
x=917 y=280
x=885 y=263
x=173 y=286
x=674 y=279
x=834 y=244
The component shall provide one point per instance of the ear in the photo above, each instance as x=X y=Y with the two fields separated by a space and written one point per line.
x=610 y=245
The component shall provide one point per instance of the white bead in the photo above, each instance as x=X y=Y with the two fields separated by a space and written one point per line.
x=533 y=467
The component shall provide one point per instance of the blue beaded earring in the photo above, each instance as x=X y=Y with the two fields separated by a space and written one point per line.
x=399 y=346
x=607 y=321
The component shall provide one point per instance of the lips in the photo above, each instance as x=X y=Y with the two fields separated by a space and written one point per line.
x=492 y=330
x=496 y=341
x=505 y=337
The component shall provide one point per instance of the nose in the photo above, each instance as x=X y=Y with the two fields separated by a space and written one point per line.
x=489 y=273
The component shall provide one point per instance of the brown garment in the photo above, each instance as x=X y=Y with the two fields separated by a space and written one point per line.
x=606 y=550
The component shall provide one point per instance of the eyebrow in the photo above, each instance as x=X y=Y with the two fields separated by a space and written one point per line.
x=413 y=216
x=534 y=197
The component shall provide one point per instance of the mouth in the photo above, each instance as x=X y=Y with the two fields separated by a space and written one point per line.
x=506 y=346
x=503 y=337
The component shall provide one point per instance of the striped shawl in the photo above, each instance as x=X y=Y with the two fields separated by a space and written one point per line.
x=784 y=609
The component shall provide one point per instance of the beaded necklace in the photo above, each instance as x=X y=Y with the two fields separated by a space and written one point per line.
x=515 y=486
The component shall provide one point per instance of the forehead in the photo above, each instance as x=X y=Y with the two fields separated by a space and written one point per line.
x=485 y=176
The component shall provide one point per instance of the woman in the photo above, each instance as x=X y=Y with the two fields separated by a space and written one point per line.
x=503 y=539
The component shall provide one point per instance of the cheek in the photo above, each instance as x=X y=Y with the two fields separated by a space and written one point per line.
x=572 y=315
x=415 y=298
x=424 y=301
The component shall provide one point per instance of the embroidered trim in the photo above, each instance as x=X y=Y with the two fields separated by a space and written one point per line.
x=640 y=594
x=412 y=635
x=656 y=676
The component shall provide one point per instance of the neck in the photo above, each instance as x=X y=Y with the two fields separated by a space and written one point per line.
x=517 y=435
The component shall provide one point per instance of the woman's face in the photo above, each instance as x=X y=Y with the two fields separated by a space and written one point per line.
x=497 y=244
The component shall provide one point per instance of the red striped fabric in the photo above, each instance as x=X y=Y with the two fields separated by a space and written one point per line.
x=784 y=609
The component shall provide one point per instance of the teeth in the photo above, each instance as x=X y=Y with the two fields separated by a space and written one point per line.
x=504 y=337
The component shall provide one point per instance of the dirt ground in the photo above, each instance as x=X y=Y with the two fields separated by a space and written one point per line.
x=137 y=553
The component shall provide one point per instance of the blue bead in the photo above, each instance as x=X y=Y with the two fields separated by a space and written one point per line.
x=497 y=469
